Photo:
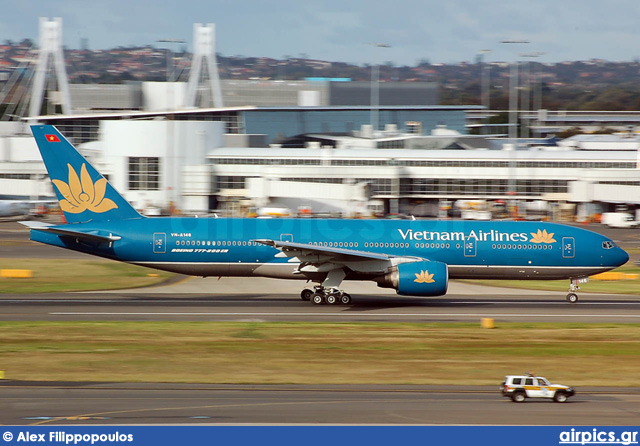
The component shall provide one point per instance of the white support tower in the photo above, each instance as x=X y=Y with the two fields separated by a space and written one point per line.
x=50 y=47
x=204 y=41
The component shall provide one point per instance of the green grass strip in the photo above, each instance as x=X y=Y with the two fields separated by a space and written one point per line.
x=61 y=275
x=320 y=353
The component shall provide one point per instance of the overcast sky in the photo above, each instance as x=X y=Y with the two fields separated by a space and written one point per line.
x=443 y=31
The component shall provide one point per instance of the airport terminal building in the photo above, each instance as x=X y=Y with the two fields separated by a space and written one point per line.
x=311 y=152
x=326 y=159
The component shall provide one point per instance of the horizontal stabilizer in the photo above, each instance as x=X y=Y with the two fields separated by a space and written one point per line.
x=92 y=236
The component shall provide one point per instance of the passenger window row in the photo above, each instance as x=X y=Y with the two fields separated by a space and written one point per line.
x=510 y=246
x=213 y=243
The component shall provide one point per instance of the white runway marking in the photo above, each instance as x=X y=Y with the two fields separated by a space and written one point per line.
x=245 y=301
x=560 y=302
x=345 y=314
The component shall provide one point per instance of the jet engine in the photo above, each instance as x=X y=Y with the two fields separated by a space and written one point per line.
x=424 y=278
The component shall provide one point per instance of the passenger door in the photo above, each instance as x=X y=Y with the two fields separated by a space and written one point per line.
x=470 y=247
x=159 y=243
x=532 y=388
x=568 y=247
x=545 y=389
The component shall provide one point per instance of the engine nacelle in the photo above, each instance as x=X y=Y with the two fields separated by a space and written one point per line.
x=417 y=279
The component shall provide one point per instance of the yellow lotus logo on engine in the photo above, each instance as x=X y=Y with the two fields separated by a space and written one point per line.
x=81 y=194
x=542 y=237
x=424 y=277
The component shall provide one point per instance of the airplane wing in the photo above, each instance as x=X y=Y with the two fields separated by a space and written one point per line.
x=92 y=236
x=320 y=259
x=321 y=253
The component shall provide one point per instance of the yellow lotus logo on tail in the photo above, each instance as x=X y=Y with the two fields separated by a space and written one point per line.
x=424 y=277
x=542 y=237
x=81 y=194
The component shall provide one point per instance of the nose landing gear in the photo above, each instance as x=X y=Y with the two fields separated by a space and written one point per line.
x=572 y=297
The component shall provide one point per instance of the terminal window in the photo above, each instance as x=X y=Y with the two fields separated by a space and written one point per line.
x=144 y=173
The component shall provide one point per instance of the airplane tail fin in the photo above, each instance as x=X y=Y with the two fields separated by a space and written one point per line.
x=84 y=194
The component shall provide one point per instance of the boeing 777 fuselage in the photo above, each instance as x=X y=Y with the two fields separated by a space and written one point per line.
x=416 y=258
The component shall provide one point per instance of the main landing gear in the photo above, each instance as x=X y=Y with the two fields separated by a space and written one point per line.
x=572 y=297
x=321 y=295
x=328 y=292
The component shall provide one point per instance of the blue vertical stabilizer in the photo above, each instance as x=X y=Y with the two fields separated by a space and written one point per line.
x=84 y=194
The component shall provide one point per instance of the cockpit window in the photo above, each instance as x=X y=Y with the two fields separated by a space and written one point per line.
x=608 y=245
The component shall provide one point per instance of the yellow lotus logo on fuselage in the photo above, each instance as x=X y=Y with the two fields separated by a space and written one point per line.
x=542 y=237
x=424 y=277
x=81 y=194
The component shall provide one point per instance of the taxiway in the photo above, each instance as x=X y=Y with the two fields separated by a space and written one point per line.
x=121 y=404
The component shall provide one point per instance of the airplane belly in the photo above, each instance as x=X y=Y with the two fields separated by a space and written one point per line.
x=521 y=272
x=226 y=269
x=190 y=268
x=285 y=271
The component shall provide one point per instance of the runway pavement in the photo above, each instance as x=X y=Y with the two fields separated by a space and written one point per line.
x=95 y=403
x=256 y=299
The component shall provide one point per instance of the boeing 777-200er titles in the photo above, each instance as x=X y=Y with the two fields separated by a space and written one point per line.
x=416 y=258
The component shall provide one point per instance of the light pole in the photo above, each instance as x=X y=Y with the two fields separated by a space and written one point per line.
x=172 y=169
x=513 y=95
x=537 y=97
x=485 y=89
x=528 y=91
x=375 y=88
x=513 y=126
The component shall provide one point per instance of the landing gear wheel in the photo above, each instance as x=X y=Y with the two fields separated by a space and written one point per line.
x=345 y=299
x=572 y=297
x=560 y=397
x=306 y=294
x=325 y=295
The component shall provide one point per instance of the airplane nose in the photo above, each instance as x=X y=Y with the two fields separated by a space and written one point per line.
x=621 y=257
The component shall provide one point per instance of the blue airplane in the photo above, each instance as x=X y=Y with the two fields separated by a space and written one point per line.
x=416 y=258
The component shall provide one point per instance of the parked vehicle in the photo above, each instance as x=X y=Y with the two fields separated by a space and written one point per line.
x=619 y=220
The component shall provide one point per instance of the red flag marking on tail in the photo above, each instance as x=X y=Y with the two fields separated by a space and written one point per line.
x=52 y=138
